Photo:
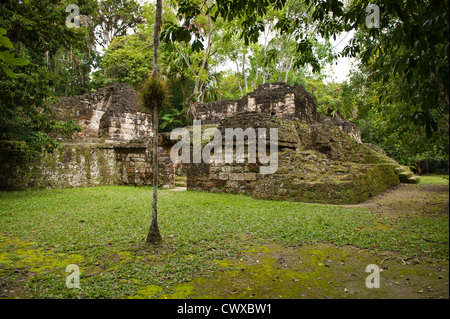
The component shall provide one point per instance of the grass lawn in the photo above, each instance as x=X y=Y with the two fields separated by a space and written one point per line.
x=434 y=179
x=102 y=230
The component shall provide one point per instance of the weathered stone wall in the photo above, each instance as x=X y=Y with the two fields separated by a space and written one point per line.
x=112 y=149
x=85 y=165
x=275 y=99
x=309 y=176
x=75 y=166
x=135 y=165
x=112 y=113
x=345 y=126
x=240 y=178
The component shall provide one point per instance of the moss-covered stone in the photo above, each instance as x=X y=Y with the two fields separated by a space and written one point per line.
x=75 y=165
x=317 y=163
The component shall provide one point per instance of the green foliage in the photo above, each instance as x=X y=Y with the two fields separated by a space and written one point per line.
x=434 y=179
x=127 y=60
x=411 y=49
x=383 y=121
x=114 y=18
x=172 y=118
x=400 y=97
x=250 y=12
x=411 y=44
x=38 y=34
x=26 y=111
x=7 y=57
x=230 y=87
x=209 y=33
x=332 y=98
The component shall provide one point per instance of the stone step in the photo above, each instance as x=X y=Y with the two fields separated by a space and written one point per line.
x=401 y=168
x=413 y=180
x=405 y=176
x=180 y=181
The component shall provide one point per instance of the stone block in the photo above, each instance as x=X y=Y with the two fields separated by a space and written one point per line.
x=232 y=184
x=226 y=169
x=224 y=176
x=250 y=176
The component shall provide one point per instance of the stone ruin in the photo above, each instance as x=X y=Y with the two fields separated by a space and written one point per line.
x=275 y=99
x=320 y=159
x=112 y=148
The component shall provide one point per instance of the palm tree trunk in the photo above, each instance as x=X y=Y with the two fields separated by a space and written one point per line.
x=154 y=235
x=156 y=33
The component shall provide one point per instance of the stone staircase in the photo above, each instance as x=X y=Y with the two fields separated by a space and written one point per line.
x=180 y=183
x=406 y=176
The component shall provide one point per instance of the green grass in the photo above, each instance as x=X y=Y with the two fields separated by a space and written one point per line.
x=434 y=179
x=105 y=227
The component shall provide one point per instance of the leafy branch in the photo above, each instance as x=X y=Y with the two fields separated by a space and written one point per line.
x=7 y=58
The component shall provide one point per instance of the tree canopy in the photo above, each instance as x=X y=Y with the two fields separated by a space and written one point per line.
x=211 y=50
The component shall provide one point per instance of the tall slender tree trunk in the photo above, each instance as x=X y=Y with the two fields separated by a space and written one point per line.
x=243 y=71
x=154 y=236
x=255 y=83
x=239 y=76
x=288 y=70
x=191 y=106
x=202 y=98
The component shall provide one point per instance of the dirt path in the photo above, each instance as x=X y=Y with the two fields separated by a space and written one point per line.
x=411 y=200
